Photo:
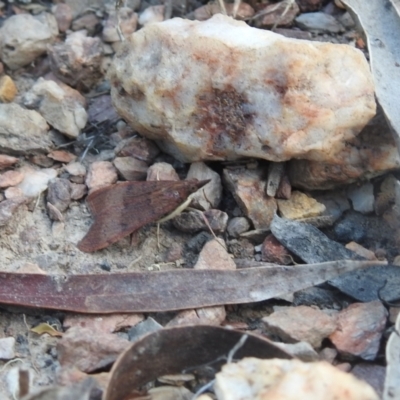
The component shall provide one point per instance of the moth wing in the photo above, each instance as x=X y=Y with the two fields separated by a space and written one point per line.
x=123 y=208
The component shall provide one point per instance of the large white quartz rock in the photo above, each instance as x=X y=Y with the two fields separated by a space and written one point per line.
x=221 y=90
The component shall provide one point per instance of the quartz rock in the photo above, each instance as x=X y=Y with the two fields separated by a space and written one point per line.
x=130 y=168
x=219 y=89
x=277 y=379
x=22 y=131
x=101 y=173
x=362 y=197
x=162 y=171
x=36 y=181
x=151 y=15
x=63 y=109
x=24 y=37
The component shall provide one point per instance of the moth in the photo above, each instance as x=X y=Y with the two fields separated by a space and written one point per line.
x=120 y=209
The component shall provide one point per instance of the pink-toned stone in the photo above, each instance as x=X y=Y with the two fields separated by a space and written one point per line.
x=359 y=329
x=303 y=323
x=78 y=190
x=62 y=156
x=88 y=349
x=130 y=168
x=162 y=171
x=248 y=189
x=13 y=192
x=63 y=15
x=7 y=161
x=345 y=367
x=274 y=252
x=30 y=268
x=10 y=178
x=275 y=15
x=214 y=256
x=101 y=173
x=106 y=323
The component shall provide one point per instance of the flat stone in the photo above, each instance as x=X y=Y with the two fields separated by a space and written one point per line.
x=19 y=47
x=7 y=348
x=277 y=379
x=130 y=168
x=162 y=171
x=302 y=323
x=308 y=243
x=101 y=173
x=247 y=101
x=362 y=197
x=22 y=131
x=248 y=189
x=88 y=349
x=8 y=90
x=10 y=178
x=210 y=195
x=319 y=21
x=300 y=206
x=359 y=330
x=13 y=192
x=62 y=156
x=368 y=285
x=62 y=109
x=76 y=169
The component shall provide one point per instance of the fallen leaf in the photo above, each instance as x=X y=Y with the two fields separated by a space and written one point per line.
x=46 y=328
x=381 y=23
x=166 y=290
x=172 y=350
